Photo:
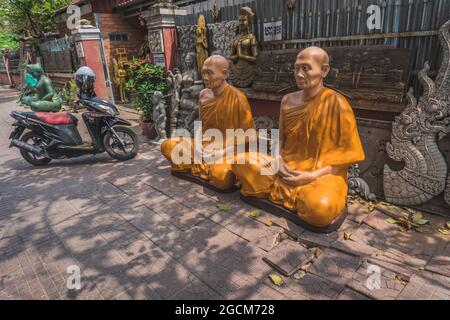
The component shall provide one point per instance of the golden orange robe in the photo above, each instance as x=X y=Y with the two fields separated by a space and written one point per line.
x=320 y=134
x=229 y=110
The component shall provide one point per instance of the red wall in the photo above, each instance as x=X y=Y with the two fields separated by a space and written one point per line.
x=4 y=78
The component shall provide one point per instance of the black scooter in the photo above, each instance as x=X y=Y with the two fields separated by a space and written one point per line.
x=55 y=135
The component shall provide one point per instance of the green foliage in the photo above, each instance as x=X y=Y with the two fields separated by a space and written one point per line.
x=29 y=18
x=8 y=41
x=144 y=80
x=69 y=92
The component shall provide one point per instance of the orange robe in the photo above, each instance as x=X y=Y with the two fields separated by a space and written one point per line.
x=320 y=134
x=229 y=110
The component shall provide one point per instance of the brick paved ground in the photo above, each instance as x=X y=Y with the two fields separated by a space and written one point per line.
x=135 y=232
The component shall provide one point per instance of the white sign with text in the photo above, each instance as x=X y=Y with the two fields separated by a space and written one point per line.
x=273 y=30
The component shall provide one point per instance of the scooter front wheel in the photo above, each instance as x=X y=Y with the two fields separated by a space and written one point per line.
x=124 y=149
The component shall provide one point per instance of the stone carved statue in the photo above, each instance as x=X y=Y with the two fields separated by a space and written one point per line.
x=357 y=185
x=414 y=138
x=84 y=24
x=244 y=51
x=201 y=43
x=186 y=39
x=190 y=90
x=159 y=116
x=174 y=80
x=41 y=96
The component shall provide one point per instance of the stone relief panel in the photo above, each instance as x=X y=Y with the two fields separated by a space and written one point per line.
x=222 y=35
x=415 y=136
x=155 y=41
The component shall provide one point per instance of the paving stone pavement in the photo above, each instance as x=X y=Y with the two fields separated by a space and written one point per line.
x=136 y=232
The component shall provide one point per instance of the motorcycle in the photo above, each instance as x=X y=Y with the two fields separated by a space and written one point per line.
x=42 y=137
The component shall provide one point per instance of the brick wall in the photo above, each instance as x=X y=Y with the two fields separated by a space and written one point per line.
x=114 y=23
x=5 y=81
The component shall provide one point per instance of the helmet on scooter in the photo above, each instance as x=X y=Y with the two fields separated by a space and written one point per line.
x=85 y=79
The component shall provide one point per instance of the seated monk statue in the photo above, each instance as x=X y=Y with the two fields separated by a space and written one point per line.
x=222 y=107
x=45 y=97
x=318 y=141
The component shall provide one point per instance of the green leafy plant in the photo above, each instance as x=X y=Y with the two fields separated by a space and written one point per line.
x=69 y=92
x=144 y=80
x=28 y=18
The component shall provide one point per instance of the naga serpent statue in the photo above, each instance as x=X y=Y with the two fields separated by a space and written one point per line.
x=414 y=138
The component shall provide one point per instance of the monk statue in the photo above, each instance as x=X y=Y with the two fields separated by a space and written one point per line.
x=222 y=107
x=318 y=141
x=43 y=96
x=244 y=51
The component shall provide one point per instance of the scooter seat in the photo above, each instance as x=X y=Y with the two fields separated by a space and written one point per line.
x=59 y=118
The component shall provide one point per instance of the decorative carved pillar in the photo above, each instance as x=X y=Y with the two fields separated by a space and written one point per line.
x=88 y=45
x=160 y=19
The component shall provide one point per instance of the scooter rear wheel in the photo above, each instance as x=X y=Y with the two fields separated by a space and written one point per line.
x=33 y=139
x=114 y=148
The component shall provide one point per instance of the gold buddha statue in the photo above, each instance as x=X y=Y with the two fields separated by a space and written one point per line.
x=201 y=43
x=244 y=51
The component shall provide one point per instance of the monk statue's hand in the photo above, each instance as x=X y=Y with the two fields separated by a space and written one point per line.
x=299 y=178
x=284 y=170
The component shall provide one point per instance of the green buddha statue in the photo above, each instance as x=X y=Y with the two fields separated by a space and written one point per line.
x=41 y=95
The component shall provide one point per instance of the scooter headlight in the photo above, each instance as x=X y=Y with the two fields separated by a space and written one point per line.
x=109 y=110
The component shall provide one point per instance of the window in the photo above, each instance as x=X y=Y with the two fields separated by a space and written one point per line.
x=118 y=37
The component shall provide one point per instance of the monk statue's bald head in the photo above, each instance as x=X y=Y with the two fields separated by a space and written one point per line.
x=311 y=68
x=215 y=71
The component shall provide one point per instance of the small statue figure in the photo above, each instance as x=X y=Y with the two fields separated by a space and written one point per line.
x=191 y=72
x=174 y=80
x=215 y=13
x=190 y=90
x=159 y=116
x=84 y=24
x=201 y=44
x=120 y=78
x=42 y=95
x=244 y=52
x=291 y=4
x=194 y=93
x=120 y=63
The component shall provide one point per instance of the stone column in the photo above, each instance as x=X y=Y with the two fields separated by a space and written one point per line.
x=88 y=44
x=160 y=20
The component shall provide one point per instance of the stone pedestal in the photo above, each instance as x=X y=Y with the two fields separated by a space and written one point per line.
x=160 y=20
x=88 y=44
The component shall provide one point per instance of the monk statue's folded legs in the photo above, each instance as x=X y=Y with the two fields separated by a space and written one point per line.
x=219 y=175
x=318 y=203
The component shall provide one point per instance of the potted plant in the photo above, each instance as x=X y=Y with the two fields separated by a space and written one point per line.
x=144 y=80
